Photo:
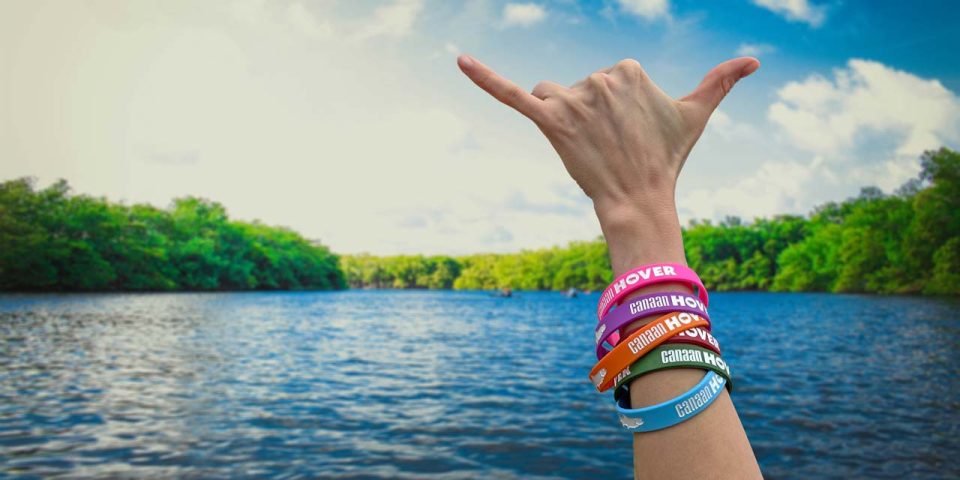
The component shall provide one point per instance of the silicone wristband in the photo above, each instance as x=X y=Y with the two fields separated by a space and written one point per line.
x=639 y=343
x=644 y=277
x=671 y=412
x=696 y=336
x=607 y=333
x=672 y=356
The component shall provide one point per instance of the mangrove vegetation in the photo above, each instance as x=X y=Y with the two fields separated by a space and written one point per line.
x=907 y=241
x=51 y=240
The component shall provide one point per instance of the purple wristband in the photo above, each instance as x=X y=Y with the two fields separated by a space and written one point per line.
x=607 y=333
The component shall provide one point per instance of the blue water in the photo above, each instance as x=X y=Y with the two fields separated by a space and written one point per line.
x=449 y=385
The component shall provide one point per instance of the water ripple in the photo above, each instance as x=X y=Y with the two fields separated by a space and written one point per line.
x=448 y=385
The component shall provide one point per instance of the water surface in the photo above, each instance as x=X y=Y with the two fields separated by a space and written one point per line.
x=449 y=385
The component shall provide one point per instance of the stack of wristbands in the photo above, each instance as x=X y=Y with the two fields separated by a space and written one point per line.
x=678 y=337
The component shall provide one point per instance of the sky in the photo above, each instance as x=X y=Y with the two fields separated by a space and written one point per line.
x=350 y=122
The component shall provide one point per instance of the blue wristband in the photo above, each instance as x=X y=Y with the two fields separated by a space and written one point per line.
x=672 y=412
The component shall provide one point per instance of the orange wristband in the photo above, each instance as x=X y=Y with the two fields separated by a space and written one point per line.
x=639 y=343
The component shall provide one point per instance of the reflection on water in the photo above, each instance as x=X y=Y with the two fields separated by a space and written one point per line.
x=449 y=384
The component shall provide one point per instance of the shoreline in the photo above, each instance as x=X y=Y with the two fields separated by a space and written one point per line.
x=437 y=290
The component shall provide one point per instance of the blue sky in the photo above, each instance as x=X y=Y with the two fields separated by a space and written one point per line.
x=349 y=121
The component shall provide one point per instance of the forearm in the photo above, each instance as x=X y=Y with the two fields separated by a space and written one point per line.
x=712 y=444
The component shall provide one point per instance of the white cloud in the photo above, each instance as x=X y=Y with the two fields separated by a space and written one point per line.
x=754 y=49
x=247 y=11
x=827 y=116
x=306 y=22
x=796 y=10
x=316 y=19
x=827 y=137
x=766 y=181
x=774 y=188
x=322 y=137
x=646 y=9
x=449 y=48
x=395 y=19
x=523 y=14
x=728 y=129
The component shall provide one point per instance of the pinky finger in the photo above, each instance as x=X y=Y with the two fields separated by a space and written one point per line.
x=502 y=89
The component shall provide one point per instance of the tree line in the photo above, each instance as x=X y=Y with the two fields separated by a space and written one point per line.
x=907 y=241
x=904 y=242
x=51 y=240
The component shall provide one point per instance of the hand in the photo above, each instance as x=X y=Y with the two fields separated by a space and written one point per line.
x=622 y=139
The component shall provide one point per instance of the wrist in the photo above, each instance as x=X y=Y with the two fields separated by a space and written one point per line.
x=640 y=235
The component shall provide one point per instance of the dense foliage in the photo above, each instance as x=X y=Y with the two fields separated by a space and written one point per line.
x=582 y=264
x=906 y=242
x=52 y=240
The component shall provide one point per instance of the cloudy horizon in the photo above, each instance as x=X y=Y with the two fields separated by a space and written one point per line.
x=350 y=122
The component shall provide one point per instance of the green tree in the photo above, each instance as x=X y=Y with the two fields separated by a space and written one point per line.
x=52 y=240
x=946 y=270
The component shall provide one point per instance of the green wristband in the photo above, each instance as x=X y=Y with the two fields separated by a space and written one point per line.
x=672 y=356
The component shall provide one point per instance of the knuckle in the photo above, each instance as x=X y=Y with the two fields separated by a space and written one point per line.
x=629 y=65
x=629 y=69
x=485 y=81
x=541 y=88
x=726 y=84
x=713 y=78
x=597 y=79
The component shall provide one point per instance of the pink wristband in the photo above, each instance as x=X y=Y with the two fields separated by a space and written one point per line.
x=645 y=276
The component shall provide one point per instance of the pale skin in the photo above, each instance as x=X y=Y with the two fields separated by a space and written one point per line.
x=624 y=141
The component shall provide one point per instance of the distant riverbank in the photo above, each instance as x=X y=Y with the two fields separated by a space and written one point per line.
x=907 y=241
x=904 y=242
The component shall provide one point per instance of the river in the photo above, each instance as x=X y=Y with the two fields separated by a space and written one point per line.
x=370 y=384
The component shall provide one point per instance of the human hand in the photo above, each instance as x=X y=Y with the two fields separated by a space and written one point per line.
x=622 y=139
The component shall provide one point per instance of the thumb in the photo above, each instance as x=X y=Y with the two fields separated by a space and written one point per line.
x=719 y=81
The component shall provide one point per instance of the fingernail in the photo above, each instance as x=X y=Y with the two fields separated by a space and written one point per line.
x=750 y=69
x=465 y=61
